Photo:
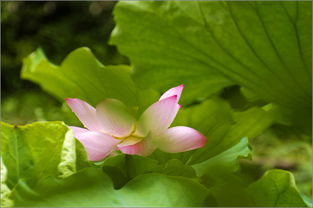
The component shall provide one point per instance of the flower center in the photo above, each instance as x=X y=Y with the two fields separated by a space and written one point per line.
x=130 y=140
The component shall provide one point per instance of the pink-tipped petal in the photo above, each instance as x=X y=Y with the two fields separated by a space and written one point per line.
x=97 y=145
x=85 y=113
x=158 y=117
x=114 y=118
x=173 y=91
x=180 y=139
x=143 y=148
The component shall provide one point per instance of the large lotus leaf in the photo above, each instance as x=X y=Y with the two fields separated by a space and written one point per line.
x=91 y=188
x=32 y=152
x=263 y=46
x=82 y=76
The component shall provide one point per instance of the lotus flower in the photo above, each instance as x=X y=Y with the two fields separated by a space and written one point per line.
x=111 y=127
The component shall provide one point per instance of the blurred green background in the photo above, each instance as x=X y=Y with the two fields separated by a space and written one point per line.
x=59 y=28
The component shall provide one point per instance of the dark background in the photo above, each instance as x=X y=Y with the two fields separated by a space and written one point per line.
x=58 y=28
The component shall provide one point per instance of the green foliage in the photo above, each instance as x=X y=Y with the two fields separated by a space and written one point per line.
x=222 y=175
x=209 y=45
x=24 y=107
x=48 y=171
x=58 y=27
x=225 y=162
x=122 y=168
x=145 y=190
x=35 y=151
x=82 y=76
x=276 y=188
x=222 y=126
x=5 y=193
x=244 y=70
x=281 y=149
x=283 y=191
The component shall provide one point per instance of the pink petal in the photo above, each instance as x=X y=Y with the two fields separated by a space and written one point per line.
x=158 y=117
x=97 y=145
x=180 y=139
x=78 y=130
x=143 y=148
x=85 y=113
x=173 y=91
x=114 y=118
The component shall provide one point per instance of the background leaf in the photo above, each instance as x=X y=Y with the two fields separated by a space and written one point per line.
x=222 y=126
x=82 y=76
x=225 y=162
x=225 y=43
x=276 y=188
x=231 y=187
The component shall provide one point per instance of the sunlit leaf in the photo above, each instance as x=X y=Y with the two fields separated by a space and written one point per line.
x=5 y=192
x=36 y=151
x=82 y=76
